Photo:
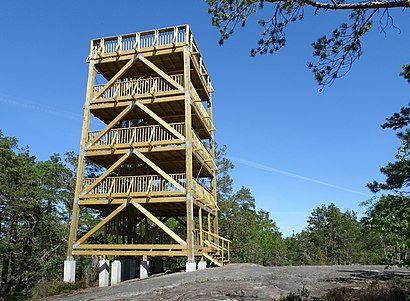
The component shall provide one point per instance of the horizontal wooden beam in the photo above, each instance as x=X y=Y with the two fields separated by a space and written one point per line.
x=134 y=253
x=142 y=150
x=135 y=247
x=142 y=200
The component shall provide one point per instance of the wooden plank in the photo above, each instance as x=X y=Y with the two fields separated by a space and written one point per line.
x=102 y=223
x=115 y=77
x=159 y=170
x=112 y=123
x=107 y=172
x=160 y=121
x=160 y=72
x=159 y=223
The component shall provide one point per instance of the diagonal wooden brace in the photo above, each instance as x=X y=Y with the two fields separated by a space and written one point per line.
x=107 y=172
x=114 y=78
x=160 y=72
x=159 y=170
x=160 y=121
x=112 y=124
x=102 y=223
x=159 y=223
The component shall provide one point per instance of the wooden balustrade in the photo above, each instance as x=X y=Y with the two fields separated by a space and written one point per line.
x=128 y=185
x=217 y=243
x=140 y=41
x=141 y=134
x=202 y=112
x=202 y=151
x=141 y=86
x=202 y=194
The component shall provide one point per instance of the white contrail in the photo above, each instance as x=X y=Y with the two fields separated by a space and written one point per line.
x=38 y=107
x=293 y=175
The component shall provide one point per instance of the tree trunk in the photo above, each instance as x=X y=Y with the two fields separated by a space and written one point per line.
x=4 y=278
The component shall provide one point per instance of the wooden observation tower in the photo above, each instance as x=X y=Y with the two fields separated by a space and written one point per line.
x=156 y=192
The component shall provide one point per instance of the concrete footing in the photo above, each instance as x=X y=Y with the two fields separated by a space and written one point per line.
x=116 y=266
x=144 y=268
x=69 y=271
x=104 y=276
x=190 y=266
x=202 y=265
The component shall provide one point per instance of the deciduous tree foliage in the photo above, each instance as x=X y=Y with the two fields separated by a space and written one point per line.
x=334 y=53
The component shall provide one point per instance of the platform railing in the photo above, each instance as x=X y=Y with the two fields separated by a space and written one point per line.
x=202 y=112
x=197 y=59
x=204 y=195
x=123 y=186
x=203 y=151
x=140 y=134
x=127 y=185
x=170 y=36
x=132 y=87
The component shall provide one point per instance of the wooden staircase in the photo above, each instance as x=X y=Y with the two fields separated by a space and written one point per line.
x=217 y=249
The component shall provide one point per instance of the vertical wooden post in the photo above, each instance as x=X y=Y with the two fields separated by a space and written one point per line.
x=209 y=224
x=201 y=239
x=188 y=159
x=213 y=180
x=81 y=159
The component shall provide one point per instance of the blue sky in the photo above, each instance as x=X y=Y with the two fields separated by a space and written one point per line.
x=296 y=148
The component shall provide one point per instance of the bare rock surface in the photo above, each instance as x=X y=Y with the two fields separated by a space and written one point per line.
x=239 y=282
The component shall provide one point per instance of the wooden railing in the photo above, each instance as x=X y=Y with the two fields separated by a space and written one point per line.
x=220 y=245
x=202 y=194
x=136 y=42
x=202 y=151
x=202 y=112
x=197 y=59
x=124 y=186
x=131 y=87
x=151 y=40
x=127 y=185
x=141 y=134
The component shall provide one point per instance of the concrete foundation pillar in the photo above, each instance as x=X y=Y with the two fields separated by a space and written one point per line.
x=104 y=276
x=202 y=265
x=69 y=271
x=116 y=272
x=190 y=266
x=144 y=268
